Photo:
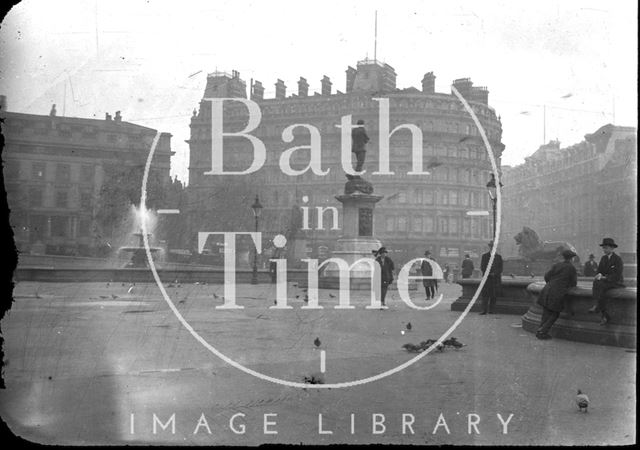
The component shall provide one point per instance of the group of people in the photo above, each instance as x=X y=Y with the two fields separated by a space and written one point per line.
x=563 y=276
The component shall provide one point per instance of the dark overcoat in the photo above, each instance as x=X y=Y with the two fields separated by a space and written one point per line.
x=387 y=269
x=467 y=267
x=560 y=278
x=358 y=139
x=427 y=271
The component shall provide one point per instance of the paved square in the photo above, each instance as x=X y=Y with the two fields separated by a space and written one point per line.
x=89 y=363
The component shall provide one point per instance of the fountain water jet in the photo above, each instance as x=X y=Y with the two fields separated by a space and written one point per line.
x=138 y=258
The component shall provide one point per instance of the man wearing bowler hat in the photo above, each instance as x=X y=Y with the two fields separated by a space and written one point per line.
x=609 y=276
x=591 y=267
x=387 y=268
x=494 y=280
x=560 y=278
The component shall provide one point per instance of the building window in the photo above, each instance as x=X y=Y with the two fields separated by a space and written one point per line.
x=443 y=197
x=443 y=225
x=390 y=223
x=63 y=173
x=59 y=226
x=427 y=225
x=38 y=170
x=85 y=201
x=402 y=197
x=427 y=197
x=87 y=173
x=417 y=196
x=35 y=197
x=464 y=198
x=453 y=197
x=466 y=228
x=62 y=199
x=417 y=224
x=84 y=227
x=402 y=223
x=453 y=225
x=37 y=227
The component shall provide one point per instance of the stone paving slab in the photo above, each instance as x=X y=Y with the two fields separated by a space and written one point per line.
x=82 y=358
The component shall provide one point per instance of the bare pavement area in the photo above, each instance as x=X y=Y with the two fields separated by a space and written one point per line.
x=91 y=363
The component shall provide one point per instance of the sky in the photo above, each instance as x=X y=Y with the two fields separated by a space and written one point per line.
x=554 y=69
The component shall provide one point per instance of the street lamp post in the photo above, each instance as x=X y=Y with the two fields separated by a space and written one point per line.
x=492 y=188
x=257 y=209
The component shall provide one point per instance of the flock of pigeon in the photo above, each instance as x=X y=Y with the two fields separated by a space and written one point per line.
x=424 y=345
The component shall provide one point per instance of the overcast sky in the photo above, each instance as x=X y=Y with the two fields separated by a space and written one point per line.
x=149 y=58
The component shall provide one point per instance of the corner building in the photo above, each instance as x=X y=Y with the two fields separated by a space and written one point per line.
x=418 y=212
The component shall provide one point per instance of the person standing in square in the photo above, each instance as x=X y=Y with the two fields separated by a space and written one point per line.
x=387 y=268
x=493 y=283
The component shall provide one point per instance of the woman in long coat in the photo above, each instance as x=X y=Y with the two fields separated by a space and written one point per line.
x=560 y=279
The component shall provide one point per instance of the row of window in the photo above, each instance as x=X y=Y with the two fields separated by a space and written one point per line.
x=61 y=199
x=41 y=170
x=467 y=227
x=41 y=227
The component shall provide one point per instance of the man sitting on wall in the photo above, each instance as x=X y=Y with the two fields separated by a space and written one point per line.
x=609 y=276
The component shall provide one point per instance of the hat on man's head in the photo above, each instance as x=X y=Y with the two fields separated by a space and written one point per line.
x=382 y=250
x=360 y=122
x=592 y=256
x=608 y=242
x=568 y=254
x=427 y=253
x=467 y=255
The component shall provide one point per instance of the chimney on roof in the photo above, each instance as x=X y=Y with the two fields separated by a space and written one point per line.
x=118 y=117
x=480 y=94
x=235 y=74
x=258 y=91
x=303 y=87
x=326 y=85
x=107 y=117
x=53 y=111
x=351 y=77
x=464 y=86
x=429 y=83
x=3 y=103
x=281 y=89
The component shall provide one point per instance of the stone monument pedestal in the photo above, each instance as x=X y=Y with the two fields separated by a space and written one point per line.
x=357 y=242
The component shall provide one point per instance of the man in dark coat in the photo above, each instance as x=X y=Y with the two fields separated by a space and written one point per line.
x=560 y=279
x=387 y=268
x=493 y=283
x=609 y=276
x=430 y=285
x=467 y=267
x=591 y=267
x=358 y=140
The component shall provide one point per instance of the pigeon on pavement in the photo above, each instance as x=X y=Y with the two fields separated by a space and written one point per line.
x=314 y=378
x=317 y=342
x=409 y=326
x=513 y=276
x=332 y=296
x=582 y=401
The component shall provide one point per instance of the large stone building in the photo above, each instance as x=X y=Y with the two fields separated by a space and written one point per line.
x=418 y=212
x=56 y=169
x=577 y=194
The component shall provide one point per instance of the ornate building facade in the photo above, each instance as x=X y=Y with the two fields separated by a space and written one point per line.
x=55 y=168
x=578 y=194
x=418 y=212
